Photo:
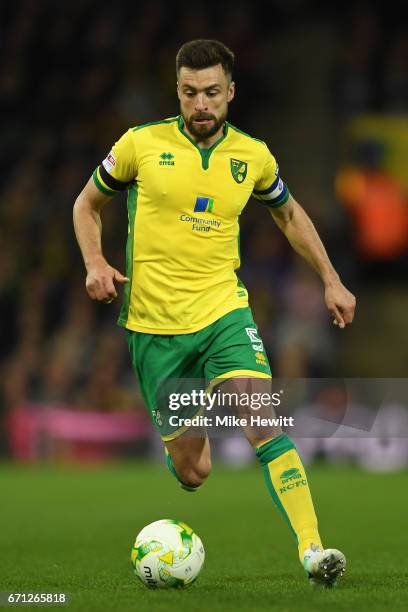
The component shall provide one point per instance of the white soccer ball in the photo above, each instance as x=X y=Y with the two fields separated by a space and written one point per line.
x=167 y=553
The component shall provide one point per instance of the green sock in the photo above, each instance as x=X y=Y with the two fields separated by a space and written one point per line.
x=172 y=470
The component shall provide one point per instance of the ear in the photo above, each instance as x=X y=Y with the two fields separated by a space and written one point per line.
x=231 y=91
x=178 y=90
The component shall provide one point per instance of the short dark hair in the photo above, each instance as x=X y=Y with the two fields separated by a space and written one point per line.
x=202 y=53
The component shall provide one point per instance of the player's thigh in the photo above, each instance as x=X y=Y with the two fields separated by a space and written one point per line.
x=237 y=364
x=251 y=399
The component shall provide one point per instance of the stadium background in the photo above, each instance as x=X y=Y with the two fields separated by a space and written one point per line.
x=74 y=79
x=327 y=90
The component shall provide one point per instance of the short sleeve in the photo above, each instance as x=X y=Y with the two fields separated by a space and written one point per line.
x=119 y=168
x=269 y=188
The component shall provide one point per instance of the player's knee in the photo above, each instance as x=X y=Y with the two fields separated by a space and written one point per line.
x=195 y=475
x=204 y=468
x=190 y=478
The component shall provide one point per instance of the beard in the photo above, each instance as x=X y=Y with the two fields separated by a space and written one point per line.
x=205 y=130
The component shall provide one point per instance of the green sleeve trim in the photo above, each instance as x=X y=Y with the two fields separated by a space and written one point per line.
x=102 y=188
x=283 y=201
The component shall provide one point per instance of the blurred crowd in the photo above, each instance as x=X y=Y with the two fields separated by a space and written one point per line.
x=73 y=78
x=371 y=73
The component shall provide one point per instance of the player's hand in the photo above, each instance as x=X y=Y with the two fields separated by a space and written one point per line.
x=100 y=281
x=341 y=303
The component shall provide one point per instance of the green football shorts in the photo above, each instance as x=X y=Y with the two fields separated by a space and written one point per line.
x=228 y=347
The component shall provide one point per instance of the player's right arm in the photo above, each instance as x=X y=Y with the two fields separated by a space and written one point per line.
x=117 y=171
x=100 y=276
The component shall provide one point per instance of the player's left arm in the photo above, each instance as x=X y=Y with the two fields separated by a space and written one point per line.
x=292 y=219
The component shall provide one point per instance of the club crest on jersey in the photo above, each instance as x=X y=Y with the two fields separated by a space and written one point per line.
x=238 y=170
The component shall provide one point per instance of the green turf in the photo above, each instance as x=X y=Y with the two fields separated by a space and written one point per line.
x=72 y=530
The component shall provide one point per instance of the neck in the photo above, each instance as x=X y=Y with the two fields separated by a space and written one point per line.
x=204 y=143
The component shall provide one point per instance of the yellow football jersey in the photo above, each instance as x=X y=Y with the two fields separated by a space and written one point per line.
x=184 y=205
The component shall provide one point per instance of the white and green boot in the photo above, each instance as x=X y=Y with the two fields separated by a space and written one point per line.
x=324 y=566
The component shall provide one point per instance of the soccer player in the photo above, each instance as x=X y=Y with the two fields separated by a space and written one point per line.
x=185 y=312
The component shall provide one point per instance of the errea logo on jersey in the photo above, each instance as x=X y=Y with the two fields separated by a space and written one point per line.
x=166 y=159
x=204 y=204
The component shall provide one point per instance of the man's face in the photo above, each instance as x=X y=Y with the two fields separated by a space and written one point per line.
x=204 y=96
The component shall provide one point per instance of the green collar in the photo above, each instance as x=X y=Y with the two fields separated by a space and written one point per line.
x=205 y=153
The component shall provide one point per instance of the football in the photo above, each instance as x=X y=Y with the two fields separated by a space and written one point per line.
x=167 y=554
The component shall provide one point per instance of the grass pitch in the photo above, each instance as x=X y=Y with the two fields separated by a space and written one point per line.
x=71 y=530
